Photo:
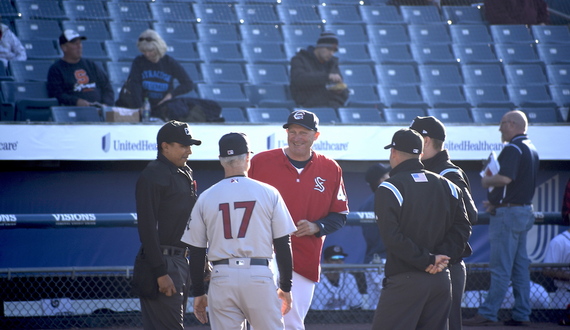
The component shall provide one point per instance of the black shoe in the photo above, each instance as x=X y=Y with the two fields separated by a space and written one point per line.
x=478 y=320
x=515 y=323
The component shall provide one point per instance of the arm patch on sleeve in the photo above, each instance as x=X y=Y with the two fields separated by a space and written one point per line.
x=394 y=190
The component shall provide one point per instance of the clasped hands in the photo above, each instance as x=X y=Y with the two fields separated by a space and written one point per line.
x=441 y=262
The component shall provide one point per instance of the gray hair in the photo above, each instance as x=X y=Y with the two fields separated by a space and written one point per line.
x=154 y=42
x=233 y=161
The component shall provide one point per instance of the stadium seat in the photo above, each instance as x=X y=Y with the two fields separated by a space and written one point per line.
x=554 y=53
x=440 y=74
x=301 y=34
x=86 y=10
x=172 y=12
x=525 y=74
x=507 y=34
x=391 y=54
x=530 y=96
x=218 y=32
x=122 y=50
x=387 y=34
x=37 y=29
x=8 y=11
x=429 y=34
x=401 y=97
x=291 y=49
x=444 y=96
x=30 y=70
x=403 y=116
x=516 y=53
x=551 y=34
x=267 y=74
x=357 y=74
x=397 y=74
x=234 y=115
x=470 y=34
x=558 y=74
x=542 y=115
x=93 y=30
x=267 y=115
x=217 y=13
x=451 y=115
x=487 y=96
x=264 y=52
x=13 y=91
x=360 y=116
x=176 y=31
x=326 y=115
x=118 y=71
x=421 y=14
x=40 y=10
x=226 y=94
x=363 y=96
x=183 y=51
x=192 y=70
x=483 y=74
x=127 y=31
x=212 y=52
x=40 y=49
x=269 y=96
x=35 y=109
x=560 y=94
x=129 y=11
x=256 y=14
x=223 y=73
x=292 y=14
x=343 y=14
x=462 y=14
x=432 y=54
x=63 y=114
x=489 y=115
x=353 y=54
x=476 y=53
x=261 y=33
x=347 y=33
x=381 y=15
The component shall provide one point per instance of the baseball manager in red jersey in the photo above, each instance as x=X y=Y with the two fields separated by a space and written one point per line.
x=313 y=189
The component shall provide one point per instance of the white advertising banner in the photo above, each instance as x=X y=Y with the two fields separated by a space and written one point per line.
x=138 y=142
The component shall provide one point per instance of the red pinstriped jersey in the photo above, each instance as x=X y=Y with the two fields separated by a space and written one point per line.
x=311 y=195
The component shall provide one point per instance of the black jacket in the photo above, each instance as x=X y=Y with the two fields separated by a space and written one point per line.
x=309 y=78
x=420 y=214
x=442 y=165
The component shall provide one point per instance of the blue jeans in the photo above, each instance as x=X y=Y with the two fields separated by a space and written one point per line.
x=509 y=261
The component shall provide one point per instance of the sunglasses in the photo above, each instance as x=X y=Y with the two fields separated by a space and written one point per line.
x=146 y=39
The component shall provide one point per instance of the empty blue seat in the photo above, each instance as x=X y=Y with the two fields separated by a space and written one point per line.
x=176 y=31
x=470 y=34
x=28 y=29
x=515 y=33
x=381 y=15
x=433 y=54
x=127 y=31
x=440 y=74
x=234 y=115
x=387 y=34
x=298 y=14
x=551 y=34
x=475 y=53
x=129 y=11
x=462 y=14
x=489 y=115
x=40 y=49
x=429 y=34
x=226 y=94
x=360 y=116
x=363 y=96
x=30 y=70
x=391 y=53
x=343 y=14
x=525 y=74
x=86 y=10
x=402 y=116
x=357 y=74
x=218 y=32
x=35 y=109
x=451 y=115
x=118 y=71
x=487 y=96
x=421 y=14
x=560 y=94
x=444 y=96
x=397 y=74
x=554 y=53
x=483 y=74
x=325 y=115
x=172 y=12
x=558 y=74
x=530 y=96
x=223 y=73
x=354 y=54
x=261 y=33
x=269 y=95
x=220 y=52
x=301 y=34
x=267 y=74
x=401 y=97
x=348 y=33
x=93 y=30
x=122 y=50
x=267 y=115
x=68 y=114
x=542 y=115
x=40 y=10
x=264 y=53
x=516 y=53
x=217 y=13
x=256 y=14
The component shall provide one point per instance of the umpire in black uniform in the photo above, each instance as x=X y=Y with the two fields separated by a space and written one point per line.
x=423 y=223
x=436 y=159
x=165 y=196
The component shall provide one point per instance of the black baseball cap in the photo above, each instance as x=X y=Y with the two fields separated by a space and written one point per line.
x=407 y=140
x=334 y=252
x=303 y=118
x=429 y=126
x=233 y=144
x=176 y=131
x=375 y=172
x=68 y=35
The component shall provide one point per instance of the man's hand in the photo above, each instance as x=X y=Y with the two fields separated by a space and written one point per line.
x=200 y=304
x=165 y=285
x=335 y=77
x=166 y=98
x=306 y=228
x=441 y=262
x=82 y=103
x=286 y=301
x=490 y=208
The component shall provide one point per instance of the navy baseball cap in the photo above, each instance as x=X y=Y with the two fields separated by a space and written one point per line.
x=233 y=144
x=407 y=140
x=335 y=252
x=303 y=118
x=176 y=131
x=375 y=172
x=429 y=126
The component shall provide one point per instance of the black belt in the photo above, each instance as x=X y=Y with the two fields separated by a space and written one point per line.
x=174 y=251
x=509 y=205
x=252 y=261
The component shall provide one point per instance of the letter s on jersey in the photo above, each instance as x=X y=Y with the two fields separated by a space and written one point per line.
x=319 y=184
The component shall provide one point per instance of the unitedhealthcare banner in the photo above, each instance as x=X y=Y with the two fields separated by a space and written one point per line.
x=23 y=141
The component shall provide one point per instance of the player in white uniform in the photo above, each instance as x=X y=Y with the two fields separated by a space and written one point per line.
x=241 y=222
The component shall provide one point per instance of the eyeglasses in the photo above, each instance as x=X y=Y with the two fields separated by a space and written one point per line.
x=147 y=39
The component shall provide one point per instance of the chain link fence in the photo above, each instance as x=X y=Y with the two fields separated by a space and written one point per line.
x=100 y=297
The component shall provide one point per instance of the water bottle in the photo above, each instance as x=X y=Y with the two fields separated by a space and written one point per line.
x=145 y=111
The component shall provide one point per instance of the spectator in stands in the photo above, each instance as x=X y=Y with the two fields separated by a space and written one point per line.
x=11 y=48
x=77 y=81
x=152 y=76
x=337 y=289
x=315 y=76
x=530 y=12
x=375 y=175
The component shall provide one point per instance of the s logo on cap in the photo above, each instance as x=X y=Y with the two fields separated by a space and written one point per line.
x=298 y=115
